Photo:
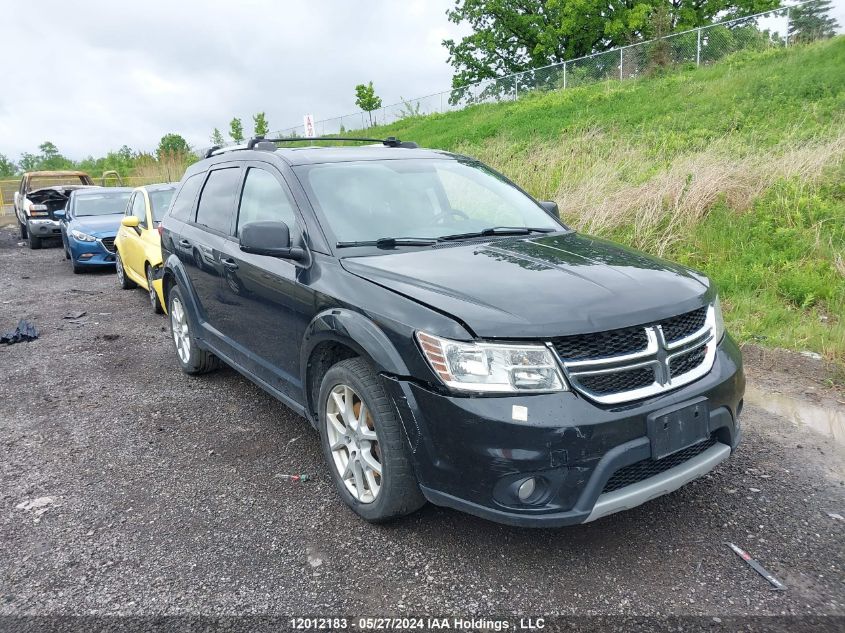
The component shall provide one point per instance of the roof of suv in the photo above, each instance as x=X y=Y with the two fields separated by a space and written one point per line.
x=313 y=155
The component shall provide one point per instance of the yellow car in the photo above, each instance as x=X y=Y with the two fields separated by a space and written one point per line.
x=138 y=243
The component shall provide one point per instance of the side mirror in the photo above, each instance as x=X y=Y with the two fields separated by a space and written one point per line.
x=130 y=221
x=59 y=214
x=550 y=207
x=269 y=238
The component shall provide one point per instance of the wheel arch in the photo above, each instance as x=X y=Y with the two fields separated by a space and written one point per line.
x=174 y=274
x=335 y=335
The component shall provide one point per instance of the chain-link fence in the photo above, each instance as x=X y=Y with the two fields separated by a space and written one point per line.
x=697 y=47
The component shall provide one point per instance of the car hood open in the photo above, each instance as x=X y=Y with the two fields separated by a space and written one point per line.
x=540 y=287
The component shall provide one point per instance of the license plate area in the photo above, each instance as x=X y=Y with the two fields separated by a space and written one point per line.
x=674 y=428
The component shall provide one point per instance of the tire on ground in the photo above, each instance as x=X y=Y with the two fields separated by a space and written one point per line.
x=122 y=280
x=399 y=494
x=199 y=360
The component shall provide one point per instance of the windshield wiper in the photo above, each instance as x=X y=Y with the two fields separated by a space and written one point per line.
x=390 y=242
x=496 y=230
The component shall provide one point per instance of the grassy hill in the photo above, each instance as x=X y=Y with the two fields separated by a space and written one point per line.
x=737 y=169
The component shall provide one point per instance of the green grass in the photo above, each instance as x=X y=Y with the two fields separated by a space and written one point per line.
x=736 y=169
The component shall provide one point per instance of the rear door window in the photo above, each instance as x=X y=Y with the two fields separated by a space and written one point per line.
x=216 y=209
x=183 y=206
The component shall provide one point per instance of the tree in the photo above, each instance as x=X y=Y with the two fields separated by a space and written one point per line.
x=50 y=158
x=172 y=144
x=48 y=150
x=366 y=99
x=260 y=125
x=236 y=130
x=511 y=36
x=7 y=167
x=217 y=138
x=28 y=162
x=811 y=22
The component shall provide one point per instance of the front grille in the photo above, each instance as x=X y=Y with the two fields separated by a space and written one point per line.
x=600 y=344
x=686 y=362
x=601 y=384
x=646 y=468
x=683 y=325
x=108 y=242
x=611 y=366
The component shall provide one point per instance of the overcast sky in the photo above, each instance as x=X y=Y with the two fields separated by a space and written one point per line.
x=92 y=76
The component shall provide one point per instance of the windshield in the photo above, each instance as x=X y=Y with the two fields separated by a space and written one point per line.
x=423 y=198
x=100 y=203
x=159 y=201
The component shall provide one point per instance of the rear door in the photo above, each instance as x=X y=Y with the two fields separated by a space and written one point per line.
x=203 y=241
x=266 y=305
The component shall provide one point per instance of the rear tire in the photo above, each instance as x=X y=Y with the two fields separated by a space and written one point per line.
x=374 y=496
x=156 y=304
x=122 y=280
x=192 y=359
x=34 y=242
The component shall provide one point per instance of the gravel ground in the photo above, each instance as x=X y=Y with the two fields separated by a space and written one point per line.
x=167 y=498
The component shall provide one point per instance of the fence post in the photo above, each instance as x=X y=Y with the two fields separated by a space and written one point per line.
x=698 y=49
x=515 y=87
x=788 y=16
x=620 y=64
x=564 y=75
x=441 y=102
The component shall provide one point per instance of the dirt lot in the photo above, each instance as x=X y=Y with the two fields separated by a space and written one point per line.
x=167 y=497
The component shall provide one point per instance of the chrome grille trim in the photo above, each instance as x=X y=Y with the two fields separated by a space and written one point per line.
x=658 y=355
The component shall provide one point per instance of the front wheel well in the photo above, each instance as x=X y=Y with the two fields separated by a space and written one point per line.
x=323 y=357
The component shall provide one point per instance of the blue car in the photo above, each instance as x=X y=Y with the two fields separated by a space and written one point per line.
x=90 y=223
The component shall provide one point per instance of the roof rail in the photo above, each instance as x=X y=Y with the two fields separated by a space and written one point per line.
x=390 y=141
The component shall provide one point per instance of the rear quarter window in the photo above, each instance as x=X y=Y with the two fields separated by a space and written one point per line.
x=183 y=205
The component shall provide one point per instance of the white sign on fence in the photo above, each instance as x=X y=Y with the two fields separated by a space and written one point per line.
x=308 y=124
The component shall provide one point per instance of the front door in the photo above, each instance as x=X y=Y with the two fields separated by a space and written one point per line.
x=132 y=253
x=267 y=307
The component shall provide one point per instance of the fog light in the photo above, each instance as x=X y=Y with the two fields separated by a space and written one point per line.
x=86 y=256
x=526 y=489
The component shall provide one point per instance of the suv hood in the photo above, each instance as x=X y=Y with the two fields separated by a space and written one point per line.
x=552 y=285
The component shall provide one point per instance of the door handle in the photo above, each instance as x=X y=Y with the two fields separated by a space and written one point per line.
x=231 y=264
x=184 y=243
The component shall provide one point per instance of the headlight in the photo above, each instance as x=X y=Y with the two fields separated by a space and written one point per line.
x=491 y=368
x=82 y=237
x=720 y=321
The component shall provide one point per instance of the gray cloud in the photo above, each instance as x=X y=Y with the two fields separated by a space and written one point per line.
x=109 y=74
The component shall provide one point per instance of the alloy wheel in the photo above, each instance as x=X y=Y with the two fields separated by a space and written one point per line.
x=353 y=442
x=118 y=267
x=181 y=334
x=151 y=289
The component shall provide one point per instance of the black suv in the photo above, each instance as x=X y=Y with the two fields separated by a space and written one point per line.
x=448 y=336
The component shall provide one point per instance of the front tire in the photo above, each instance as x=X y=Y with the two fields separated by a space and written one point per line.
x=23 y=230
x=192 y=359
x=364 y=444
x=122 y=280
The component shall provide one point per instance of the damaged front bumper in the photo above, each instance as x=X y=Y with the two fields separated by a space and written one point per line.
x=588 y=461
